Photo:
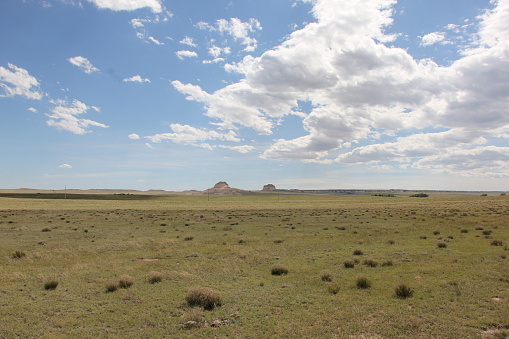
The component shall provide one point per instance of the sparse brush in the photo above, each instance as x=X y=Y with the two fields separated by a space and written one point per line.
x=46 y=229
x=358 y=252
x=496 y=243
x=18 y=254
x=333 y=288
x=203 y=297
x=112 y=286
x=279 y=269
x=487 y=232
x=436 y=232
x=441 y=244
x=464 y=230
x=50 y=285
x=370 y=263
x=278 y=241
x=326 y=276
x=387 y=263
x=349 y=264
x=423 y=237
x=402 y=291
x=125 y=281
x=155 y=277
x=362 y=283
x=391 y=242
x=189 y=238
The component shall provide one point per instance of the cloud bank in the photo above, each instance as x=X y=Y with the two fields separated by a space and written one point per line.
x=372 y=103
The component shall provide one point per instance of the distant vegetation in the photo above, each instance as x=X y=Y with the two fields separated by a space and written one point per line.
x=263 y=266
x=419 y=195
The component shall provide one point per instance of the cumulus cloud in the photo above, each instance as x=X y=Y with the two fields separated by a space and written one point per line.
x=188 y=41
x=133 y=136
x=65 y=166
x=237 y=29
x=65 y=116
x=371 y=102
x=17 y=81
x=129 y=5
x=432 y=38
x=31 y=109
x=155 y=41
x=84 y=64
x=186 y=54
x=136 y=78
x=187 y=135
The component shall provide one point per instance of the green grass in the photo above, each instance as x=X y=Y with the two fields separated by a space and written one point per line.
x=461 y=290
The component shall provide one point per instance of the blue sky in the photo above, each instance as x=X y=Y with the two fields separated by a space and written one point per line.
x=177 y=95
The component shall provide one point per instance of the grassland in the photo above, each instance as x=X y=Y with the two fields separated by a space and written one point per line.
x=230 y=243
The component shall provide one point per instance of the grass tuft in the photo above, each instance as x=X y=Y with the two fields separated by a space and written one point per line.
x=279 y=269
x=362 y=283
x=358 y=252
x=112 y=286
x=125 y=281
x=18 y=254
x=50 y=285
x=326 y=276
x=402 y=291
x=333 y=288
x=155 y=277
x=203 y=297
x=441 y=244
x=349 y=264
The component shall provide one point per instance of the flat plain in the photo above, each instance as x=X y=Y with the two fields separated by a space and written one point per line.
x=451 y=252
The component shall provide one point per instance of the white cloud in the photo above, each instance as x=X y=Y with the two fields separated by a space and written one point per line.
x=133 y=136
x=187 y=135
x=433 y=38
x=213 y=61
x=64 y=116
x=31 y=109
x=241 y=149
x=84 y=64
x=17 y=81
x=186 y=54
x=136 y=78
x=188 y=41
x=364 y=92
x=237 y=29
x=217 y=51
x=154 y=40
x=65 y=166
x=129 y=5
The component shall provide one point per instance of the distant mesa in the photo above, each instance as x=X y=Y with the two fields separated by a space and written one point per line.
x=222 y=187
x=269 y=187
x=222 y=184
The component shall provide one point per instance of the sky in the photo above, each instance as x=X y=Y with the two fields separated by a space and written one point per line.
x=309 y=94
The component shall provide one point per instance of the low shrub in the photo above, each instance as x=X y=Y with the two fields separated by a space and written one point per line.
x=203 y=297
x=441 y=244
x=387 y=263
x=358 y=252
x=125 y=281
x=333 y=288
x=362 y=283
x=50 y=285
x=436 y=232
x=112 y=286
x=370 y=263
x=155 y=277
x=18 y=254
x=487 y=232
x=46 y=229
x=349 y=264
x=279 y=269
x=464 y=230
x=496 y=243
x=402 y=291
x=326 y=276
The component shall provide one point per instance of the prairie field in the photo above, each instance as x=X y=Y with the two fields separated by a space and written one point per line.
x=275 y=266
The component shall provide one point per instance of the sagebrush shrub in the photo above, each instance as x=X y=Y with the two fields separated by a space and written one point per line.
x=50 y=285
x=326 y=276
x=203 y=297
x=155 y=277
x=112 y=286
x=279 y=269
x=363 y=283
x=333 y=289
x=441 y=244
x=18 y=254
x=125 y=281
x=349 y=264
x=402 y=291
